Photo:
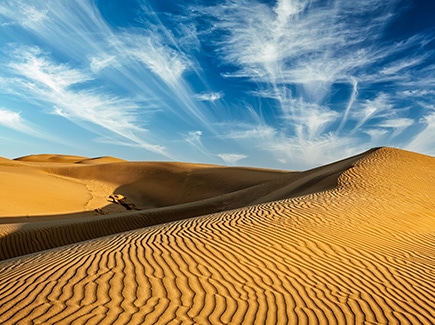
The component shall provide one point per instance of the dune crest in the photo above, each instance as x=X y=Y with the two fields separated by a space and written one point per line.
x=100 y=160
x=50 y=158
x=347 y=243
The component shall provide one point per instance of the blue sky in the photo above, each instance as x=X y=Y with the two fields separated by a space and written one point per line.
x=286 y=84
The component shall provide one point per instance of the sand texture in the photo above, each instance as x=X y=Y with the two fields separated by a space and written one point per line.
x=351 y=242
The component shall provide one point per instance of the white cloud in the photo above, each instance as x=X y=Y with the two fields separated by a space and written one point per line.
x=250 y=132
x=424 y=141
x=352 y=99
x=114 y=140
x=399 y=66
x=73 y=28
x=415 y=93
x=13 y=120
x=149 y=61
x=295 y=51
x=98 y=63
x=301 y=42
x=398 y=124
x=24 y=14
x=376 y=134
x=231 y=158
x=32 y=64
x=209 y=97
x=295 y=152
x=312 y=153
x=193 y=138
x=59 y=85
x=427 y=106
x=310 y=120
x=10 y=119
x=372 y=108
x=164 y=62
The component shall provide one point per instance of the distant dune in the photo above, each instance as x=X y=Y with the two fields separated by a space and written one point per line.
x=48 y=158
x=106 y=241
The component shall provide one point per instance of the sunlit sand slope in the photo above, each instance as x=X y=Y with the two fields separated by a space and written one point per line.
x=26 y=190
x=361 y=252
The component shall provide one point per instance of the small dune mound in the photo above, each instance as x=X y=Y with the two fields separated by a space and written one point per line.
x=5 y=161
x=49 y=158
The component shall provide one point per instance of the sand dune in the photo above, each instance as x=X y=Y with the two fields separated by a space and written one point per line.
x=350 y=242
x=49 y=158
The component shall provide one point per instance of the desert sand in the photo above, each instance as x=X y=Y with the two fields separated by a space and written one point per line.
x=351 y=242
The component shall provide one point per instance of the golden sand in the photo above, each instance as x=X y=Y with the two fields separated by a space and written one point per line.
x=347 y=243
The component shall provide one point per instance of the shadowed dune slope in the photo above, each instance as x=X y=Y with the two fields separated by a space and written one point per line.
x=360 y=251
x=36 y=186
x=146 y=184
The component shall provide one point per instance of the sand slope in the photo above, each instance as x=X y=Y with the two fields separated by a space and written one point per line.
x=360 y=251
x=26 y=190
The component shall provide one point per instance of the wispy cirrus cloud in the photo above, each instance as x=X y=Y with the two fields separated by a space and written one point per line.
x=398 y=124
x=163 y=61
x=303 y=155
x=402 y=65
x=13 y=120
x=142 y=61
x=32 y=64
x=99 y=62
x=231 y=158
x=298 y=53
x=60 y=86
x=209 y=97
x=24 y=14
x=376 y=135
x=255 y=132
x=424 y=141
x=371 y=108
x=193 y=138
